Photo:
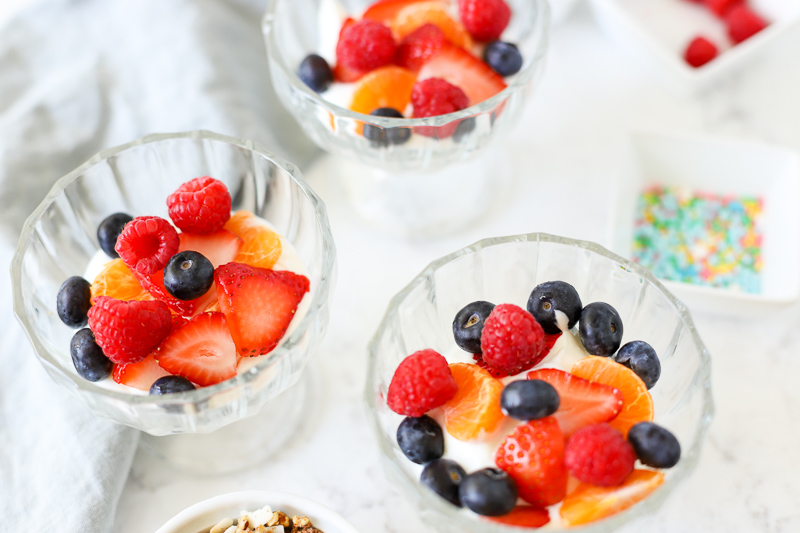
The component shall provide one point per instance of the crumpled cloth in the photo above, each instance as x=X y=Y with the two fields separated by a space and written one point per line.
x=76 y=77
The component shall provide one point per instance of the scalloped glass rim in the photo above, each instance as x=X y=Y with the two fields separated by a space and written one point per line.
x=520 y=83
x=200 y=395
x=411 y=485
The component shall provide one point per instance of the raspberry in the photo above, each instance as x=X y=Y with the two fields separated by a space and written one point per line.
x=512 y=340
x=128 y=331
x=419 y=45
x=600 y=455
x=422 y=382
x=484 y=19
x=743 y=23
x=146 y=244
x=202 y=205
x=699 y=52
x=720 y=7
x=433 y=97
x=365 y=45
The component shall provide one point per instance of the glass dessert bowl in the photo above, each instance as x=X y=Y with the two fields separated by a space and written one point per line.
x=434 y=182
x=505 y=270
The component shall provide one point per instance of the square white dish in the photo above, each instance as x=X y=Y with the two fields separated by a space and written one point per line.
x=721 y=166
x=655 y=33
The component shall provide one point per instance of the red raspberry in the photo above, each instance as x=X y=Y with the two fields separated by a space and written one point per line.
x=549 y=342
x=202 y=205
x=600 y=455
x=365 y=45
x=720 y=7
x=512 y=340
x=699 y=52
x=146 y=244
x=419 y=45
x=484 y=19
x=128 y=331
x=433 y=97
x=422 y=382
x=743 y=23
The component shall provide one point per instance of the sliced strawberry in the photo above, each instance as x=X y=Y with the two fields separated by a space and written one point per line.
x=582 y=401
x=201 y=350
x=139 y=375
x=154 y=284
x=219 y=247
x=258 y=303
x=524 y=516
x=463 y=70
x=386 y=10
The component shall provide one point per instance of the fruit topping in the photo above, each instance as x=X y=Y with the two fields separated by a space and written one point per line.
x=654 y=445
x=743 y=23
x=388 y=86
x=457 y=66
x=533 y=455
x=128 y=331
x=139 y=375
x=419 y=14
x=484 y=19
x=365 y=45
x=188 y=275
x=488 y=492
x=108 y=231
x=444 y=477
x=529 y=399
x=468 y=325
x=422 y=382
x=642 y=359
x=117 y=281
x=551 y=296
x=155 y=287
x=474 y=410
x=503 y=57
x=600 y=455
x=600 y=329
x=433 y=97
x=315 y=72
x=386 y=136
x=201 y=350
x=699 y=52
x=259 y=304
x=512 y=340
x=386 y=10
x=720 y=7
x=201 y=205
x=261 y=247
x=146 y=244
x=88 y=358
x=419 y=46
x=524 y=516
x=171 y=385
x=73 y=301
x=421 y=439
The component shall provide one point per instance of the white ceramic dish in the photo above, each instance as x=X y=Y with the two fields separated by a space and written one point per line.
x=209 y=512
x=721 y=166
x=655 y=33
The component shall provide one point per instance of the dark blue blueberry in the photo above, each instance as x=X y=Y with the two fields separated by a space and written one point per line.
x=601 y=329
x=529 y=399
x=316 y=73
x=171 y=385
x=654 y=445
x=188 y=275
x=443 y=477
x=465 y=127
x=73 y=302
x=552 y=296
x=642 y=359
x=421 y=439
x=489 y=492
x=108 y=231
x=468 y=325
x=503 y=57
x=88 y=358
x=385 y=136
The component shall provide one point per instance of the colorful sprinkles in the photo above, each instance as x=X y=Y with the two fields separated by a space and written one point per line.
x=698 y=237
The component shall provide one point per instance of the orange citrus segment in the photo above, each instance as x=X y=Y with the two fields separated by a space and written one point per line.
x=415 y=15
x=588 y=502
x=637 y=403
x=475 y=409
x=383 y=87
x=262 y=246
x=117 y=281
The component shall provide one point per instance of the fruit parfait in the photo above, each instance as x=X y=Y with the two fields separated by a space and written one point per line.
x=547 y=406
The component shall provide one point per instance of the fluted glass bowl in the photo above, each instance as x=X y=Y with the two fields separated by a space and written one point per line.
x=427 y=185
x=59 y=239
x=505 y=270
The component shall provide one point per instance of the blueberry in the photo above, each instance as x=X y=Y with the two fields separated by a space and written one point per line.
x=464 y=128
x=73 y=302
x=503 y=57
x=552 y=296
x=108 y=231
x=88 y=358
x=529 y=399
x=601 y=329
x=489 y=492
x=386 y=136
x=468 y=325
x=171 y=385
x=421 y=439
x=188 y=275
x=315 y=72
x=654 y=445
x=642 y=359
x=443 y=477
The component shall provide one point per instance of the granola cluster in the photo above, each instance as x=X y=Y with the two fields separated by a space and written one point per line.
x=265 y=520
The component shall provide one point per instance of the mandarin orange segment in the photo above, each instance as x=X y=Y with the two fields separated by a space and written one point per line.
x=415 y=15
x=637 y=403
x=475 y=409
x=117 y=281
x=389 y=86
x=262 y=247
x=588 y=502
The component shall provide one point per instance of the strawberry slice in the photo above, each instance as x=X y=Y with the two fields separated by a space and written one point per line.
x=219 y=247
x=524 y=516
x=201 y=350
x=258 y=303
x=387 y=10
x=154 y=284
x=139 y=375
x=582 y=401
x=462 y=69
